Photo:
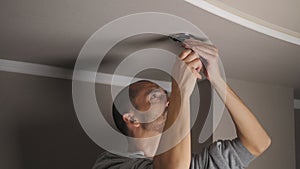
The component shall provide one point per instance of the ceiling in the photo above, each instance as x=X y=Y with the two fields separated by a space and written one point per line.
x=281 y=13
x=53 y=32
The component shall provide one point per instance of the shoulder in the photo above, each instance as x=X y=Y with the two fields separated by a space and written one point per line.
x=223 y=154
x=114 y=161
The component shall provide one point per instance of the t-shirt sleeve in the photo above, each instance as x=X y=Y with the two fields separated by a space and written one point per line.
x=225 y=154
x=108 y=160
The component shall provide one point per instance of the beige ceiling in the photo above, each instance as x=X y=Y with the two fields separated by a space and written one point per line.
x=282 y=13
x=53 y=32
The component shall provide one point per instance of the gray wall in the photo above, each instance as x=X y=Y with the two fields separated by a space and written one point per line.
x=297 y=135
x=39 y=128
x=273 y=106
x=38 y=125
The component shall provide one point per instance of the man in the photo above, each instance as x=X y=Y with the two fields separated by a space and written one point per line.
x=147 y=111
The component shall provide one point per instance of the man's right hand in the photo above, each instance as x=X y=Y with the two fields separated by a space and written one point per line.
x=186 y=71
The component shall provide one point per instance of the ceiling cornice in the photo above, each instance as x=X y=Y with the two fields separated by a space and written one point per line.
x=249 y=21
x=63 y=73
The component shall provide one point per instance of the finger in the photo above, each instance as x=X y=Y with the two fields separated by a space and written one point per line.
x=185 y=45
x=203 y=54
x=201 y=46
x=192 y=56
x=200 y=68
x=185 y=53
x=197 y=42
x=205 y=49
x=195 y=64
x=199 y=76
x=208 y=49
x=193 y=41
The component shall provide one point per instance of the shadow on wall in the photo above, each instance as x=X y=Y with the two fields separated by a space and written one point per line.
x=39 y=128
x=60 y=144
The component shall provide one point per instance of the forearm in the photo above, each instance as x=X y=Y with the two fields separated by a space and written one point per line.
x=249 y=130
x=179 y=156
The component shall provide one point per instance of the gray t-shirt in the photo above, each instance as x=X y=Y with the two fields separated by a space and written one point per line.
x=222 y=154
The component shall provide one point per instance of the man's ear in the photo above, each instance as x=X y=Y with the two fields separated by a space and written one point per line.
x=130 y=119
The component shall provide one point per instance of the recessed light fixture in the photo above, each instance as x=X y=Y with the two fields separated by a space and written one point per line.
x=251 y=22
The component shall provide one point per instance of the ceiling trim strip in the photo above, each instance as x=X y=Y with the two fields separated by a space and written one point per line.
x=251 y=22
x=63 y=73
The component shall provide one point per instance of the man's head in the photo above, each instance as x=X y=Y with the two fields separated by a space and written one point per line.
x=140 y=109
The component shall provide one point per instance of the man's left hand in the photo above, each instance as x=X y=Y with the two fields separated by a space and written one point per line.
x=209 y=56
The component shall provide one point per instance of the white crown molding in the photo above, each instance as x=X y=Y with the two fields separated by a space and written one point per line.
x=35 y=69
x=297 y=104
x=63 y=73
x=251 y=22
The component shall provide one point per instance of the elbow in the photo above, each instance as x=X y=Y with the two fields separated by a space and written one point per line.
x=263 y=146
x=266 y=145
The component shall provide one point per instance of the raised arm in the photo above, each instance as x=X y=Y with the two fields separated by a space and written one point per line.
x=249 y=130
x=185 y=76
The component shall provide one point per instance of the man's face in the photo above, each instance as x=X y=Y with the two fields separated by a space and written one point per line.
x=151 y=101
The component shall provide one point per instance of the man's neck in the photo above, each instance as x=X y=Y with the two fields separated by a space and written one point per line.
x=147 y=145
